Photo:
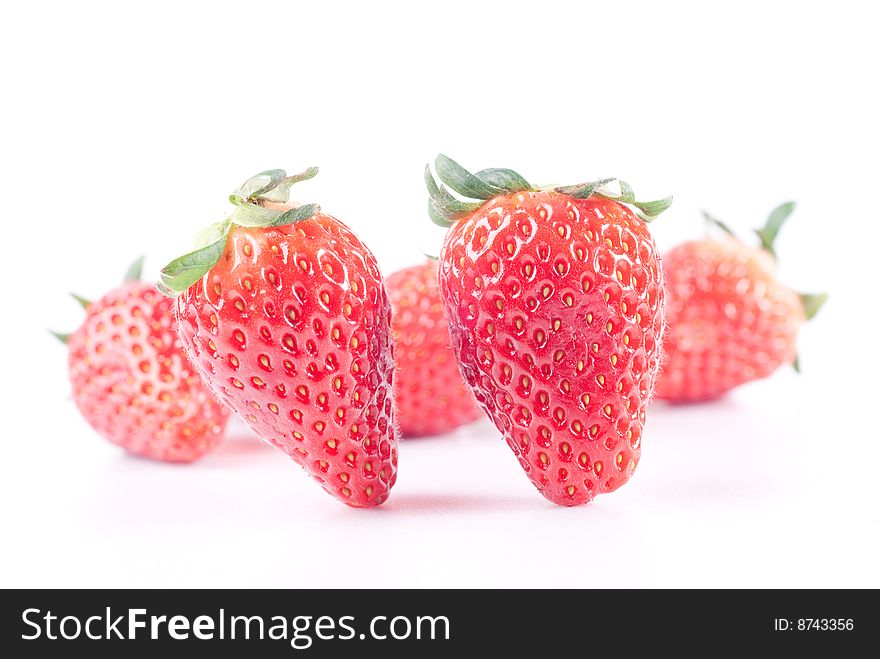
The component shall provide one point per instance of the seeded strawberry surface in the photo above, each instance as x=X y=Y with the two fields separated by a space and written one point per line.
x=291 y=329
x=555 y=306
x=730 y=320
x=430 y=394
x=133 y=383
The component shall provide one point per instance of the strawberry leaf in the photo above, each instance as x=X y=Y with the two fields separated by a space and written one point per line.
x=505 y=179
x=812 y=303
x=83 y=302
x=711 y=220
x=251 y=199
x=626 y=196
x=647 y=211
x=774 y=223
x=462 y=181
x=164 y=290
x=212 y=233
x=281 y=192
x=443 y=208
x=135 y=270
x=186 y=270
x=294 y=215
x=651 y=209
x=64 y=338
x=583 y=190
x=437 y=216
x=252 y=215
x=454 y=206
x=257 y=185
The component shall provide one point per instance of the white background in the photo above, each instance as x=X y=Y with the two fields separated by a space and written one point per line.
x=123 y=130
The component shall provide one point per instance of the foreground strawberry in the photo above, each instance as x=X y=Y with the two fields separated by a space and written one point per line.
x=132 y=381
x=730 y=319
x=430 y=395
x=284 y=313
x=555 y=303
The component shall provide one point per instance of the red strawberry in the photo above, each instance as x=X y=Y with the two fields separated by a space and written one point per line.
x=430 y=395
x=132 y=381
x=555 y=303
x=730 y=319
x=285 y=315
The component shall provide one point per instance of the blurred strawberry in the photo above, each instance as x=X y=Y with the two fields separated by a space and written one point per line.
x=132 y=381
x=430 y=395
x=730 y=319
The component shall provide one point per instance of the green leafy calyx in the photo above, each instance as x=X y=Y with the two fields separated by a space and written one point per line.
x=768 y=233
x=83 y=302
x=713 y=221
x=64 y=338
x=774 y=223
x=473 y=190
x=812 y=303
x=132 y=274
x=256 y=204
x=135 y=270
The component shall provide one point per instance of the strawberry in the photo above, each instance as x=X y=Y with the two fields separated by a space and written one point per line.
x=285 y=314
x=430 y=394
x=555 y=303
x=132 y=381
x=731 y=320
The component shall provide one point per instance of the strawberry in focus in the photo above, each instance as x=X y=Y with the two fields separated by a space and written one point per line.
x=430 y=395
x=132 y=381
x=555 y=304
x=285 y=314
x=730 y=319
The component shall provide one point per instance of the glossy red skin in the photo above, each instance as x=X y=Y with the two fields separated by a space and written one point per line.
x=133 y=383
x=291 y=329
x=541 y=290
x=430 y=395
x=730 y=320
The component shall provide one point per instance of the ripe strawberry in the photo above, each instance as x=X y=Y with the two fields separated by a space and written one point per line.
x=730 y=319
x=285 y=315
x=430 y=395
x=555 y=303
x=132 y=381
